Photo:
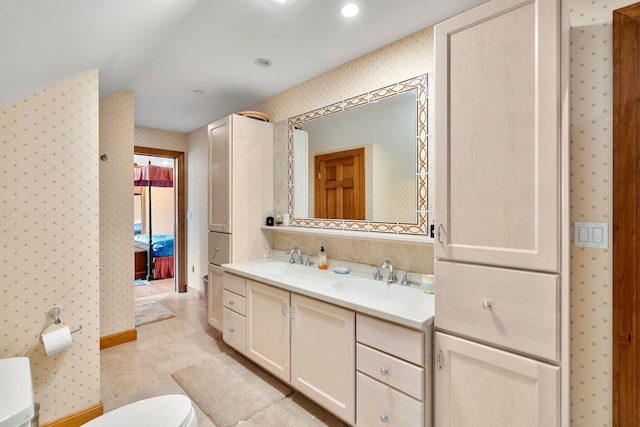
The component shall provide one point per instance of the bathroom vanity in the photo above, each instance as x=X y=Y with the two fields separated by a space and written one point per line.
x=359 y=348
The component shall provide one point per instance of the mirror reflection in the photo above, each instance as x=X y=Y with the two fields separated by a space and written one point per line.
x=361 y=163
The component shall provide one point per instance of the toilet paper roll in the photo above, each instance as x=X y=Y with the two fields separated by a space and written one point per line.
x=57 y=341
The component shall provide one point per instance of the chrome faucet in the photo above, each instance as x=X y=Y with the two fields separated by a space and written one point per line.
x=391 y=278
x=293 y=259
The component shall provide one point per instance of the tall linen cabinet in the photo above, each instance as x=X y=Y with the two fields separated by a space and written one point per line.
x=502 y=216
x=240 y=198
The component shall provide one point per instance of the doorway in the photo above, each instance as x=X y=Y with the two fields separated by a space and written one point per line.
x=626 y=218
x=179 y=220
x=340 y=187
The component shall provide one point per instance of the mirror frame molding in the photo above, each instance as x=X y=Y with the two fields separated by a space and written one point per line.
x=421 y=227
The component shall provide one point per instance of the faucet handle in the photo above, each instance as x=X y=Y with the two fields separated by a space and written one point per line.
x=377 y=275
x=405 y=281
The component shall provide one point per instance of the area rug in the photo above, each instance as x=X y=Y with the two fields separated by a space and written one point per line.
x=230 y=389
x=294 y=411
x=151 y=311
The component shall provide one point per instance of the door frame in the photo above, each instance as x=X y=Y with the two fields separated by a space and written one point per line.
x=180 y=237
x=626 y=215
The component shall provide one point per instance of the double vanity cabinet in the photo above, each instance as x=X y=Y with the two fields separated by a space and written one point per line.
x=365 y=369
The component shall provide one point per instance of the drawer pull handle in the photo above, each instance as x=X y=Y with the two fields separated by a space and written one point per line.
x=487 y=305
x=230 y=329
x=384 y=417
x=384 y=371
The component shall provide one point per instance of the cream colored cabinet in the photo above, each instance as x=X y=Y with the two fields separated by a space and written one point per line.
x=219 y=182
x=269 y=328
x=323 y=354
x=393 y=376
x=502 y=217
x=240 y=181
x=484 y=387
x=498 y=117
x=214 y=303
x=234 y=321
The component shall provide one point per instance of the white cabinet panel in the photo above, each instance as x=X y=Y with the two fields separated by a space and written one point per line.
x=234 y=331
x=483 y=387
x=323 y=354
x=498 y=118
x=214 y=309
x=380 y=405
x=514 y=309
x=268 y=330
x=219 y=178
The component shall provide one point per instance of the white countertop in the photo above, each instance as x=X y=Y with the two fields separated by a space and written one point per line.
x=411 y=307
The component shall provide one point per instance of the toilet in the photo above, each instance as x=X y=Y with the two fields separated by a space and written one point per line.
x=16 y=393
x=173 y=410
x=17 y=407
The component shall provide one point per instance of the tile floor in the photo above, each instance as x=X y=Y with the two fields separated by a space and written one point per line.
x=142 y=368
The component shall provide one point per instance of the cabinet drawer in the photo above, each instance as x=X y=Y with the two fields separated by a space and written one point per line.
x=390 y=370
x=509 y=308
x=234 y=330
x=380 y=405
x=235 y=284
x=405 y=343
x=234 y=302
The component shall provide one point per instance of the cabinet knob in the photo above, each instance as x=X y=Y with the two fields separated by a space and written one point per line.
x=384 y=371
x=230 y=302
x=487 y=305
x=384 y=417
x=230 y=329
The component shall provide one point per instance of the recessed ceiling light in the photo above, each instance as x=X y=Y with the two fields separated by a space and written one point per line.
x=349 y=10
x=262 y=62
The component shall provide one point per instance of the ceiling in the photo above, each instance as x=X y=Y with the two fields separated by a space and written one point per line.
x=164 y=50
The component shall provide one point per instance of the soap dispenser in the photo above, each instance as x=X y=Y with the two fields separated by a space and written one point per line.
x=322 y=259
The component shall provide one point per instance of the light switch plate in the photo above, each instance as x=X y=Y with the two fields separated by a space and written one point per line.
x=591 y=234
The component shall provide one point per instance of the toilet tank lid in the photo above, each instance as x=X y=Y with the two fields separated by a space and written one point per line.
x=16 y=391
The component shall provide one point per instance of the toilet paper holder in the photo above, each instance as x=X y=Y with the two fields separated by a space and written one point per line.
x=55 y=313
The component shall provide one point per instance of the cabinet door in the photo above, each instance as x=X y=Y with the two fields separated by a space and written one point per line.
x=268 y=328
x=219 y=170
x=498 y=119
x=480 y=386
x=214 y=313
x=323 y=354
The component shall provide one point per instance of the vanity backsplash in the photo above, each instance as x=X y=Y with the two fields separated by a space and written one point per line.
x=407 y=256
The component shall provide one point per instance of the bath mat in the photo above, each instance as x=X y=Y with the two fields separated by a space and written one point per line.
x=230 y=389
x=151 y=311
x=294 y=411
x=140 y=282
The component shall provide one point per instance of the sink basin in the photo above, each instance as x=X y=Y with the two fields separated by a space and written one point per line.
x=273 y=267
x=376 y=290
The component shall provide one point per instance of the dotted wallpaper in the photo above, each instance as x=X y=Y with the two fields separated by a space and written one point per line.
x=591 y=200
x=162 y=139
x=49 y=228
x=116 y=214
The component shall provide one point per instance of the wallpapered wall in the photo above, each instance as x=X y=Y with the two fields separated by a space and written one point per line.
x=591 y=200
x=49 y=229
x=116 y=213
